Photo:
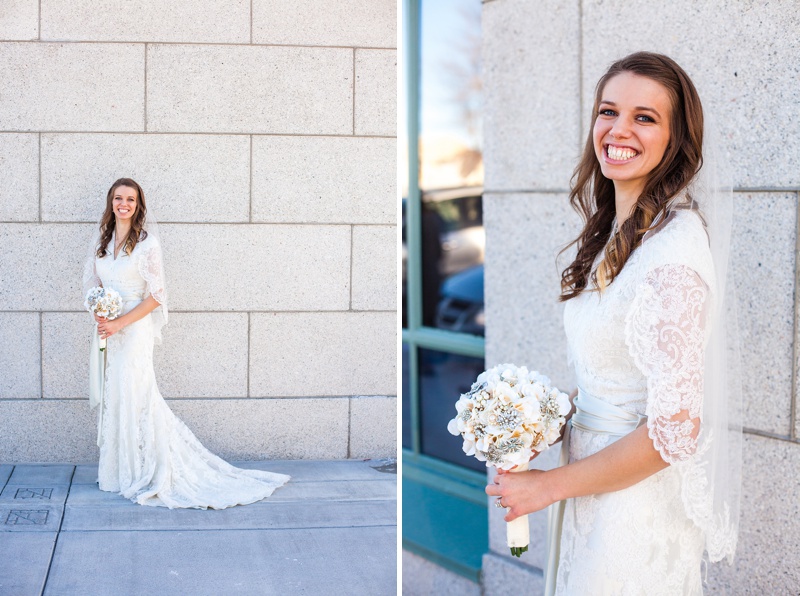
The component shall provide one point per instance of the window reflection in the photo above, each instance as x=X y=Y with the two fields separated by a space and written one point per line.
x=443 y=377
x=453 y=244
x=451 y=95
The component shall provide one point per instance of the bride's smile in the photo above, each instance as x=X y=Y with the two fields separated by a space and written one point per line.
x=124 y=203
x=632 y=130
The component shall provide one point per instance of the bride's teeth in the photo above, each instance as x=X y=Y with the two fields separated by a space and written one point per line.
x=618 y=154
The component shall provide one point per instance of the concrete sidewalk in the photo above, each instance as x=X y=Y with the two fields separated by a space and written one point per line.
x=330 y=530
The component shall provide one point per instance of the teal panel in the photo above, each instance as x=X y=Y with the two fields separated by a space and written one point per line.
x=451 y=531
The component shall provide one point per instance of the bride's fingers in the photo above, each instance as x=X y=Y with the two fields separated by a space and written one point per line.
x=493 y=490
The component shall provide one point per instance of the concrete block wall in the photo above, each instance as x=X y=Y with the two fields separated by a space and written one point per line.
x=263 y=134
x=541 y=61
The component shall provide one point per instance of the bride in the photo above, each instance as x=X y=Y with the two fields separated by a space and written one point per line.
x=651 y=480
x=146 y=453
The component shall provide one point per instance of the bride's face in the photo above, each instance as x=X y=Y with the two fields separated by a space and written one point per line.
x=125 y=202
x=631 y=132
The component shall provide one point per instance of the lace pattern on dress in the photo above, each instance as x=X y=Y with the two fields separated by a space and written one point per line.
x=666 y=333
x=152 y=270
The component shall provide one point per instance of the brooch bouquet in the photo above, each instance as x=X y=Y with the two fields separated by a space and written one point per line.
x=509 y=413
x=105 y=303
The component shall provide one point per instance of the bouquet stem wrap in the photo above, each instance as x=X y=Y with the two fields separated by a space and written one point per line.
x=518 y=534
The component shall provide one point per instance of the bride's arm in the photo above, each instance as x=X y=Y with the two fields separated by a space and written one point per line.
x=625 y=462
x=141 y=310
x=668 y=348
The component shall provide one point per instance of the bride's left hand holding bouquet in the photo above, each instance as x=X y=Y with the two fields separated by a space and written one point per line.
x=507 y=415
x=105 y=303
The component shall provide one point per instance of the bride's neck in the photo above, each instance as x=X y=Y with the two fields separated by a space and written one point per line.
x=121 y=229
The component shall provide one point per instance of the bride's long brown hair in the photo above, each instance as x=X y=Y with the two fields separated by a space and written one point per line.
x=136 y=233
x=592 y=194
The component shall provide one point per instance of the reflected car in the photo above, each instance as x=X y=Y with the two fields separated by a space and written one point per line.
x=460 y=306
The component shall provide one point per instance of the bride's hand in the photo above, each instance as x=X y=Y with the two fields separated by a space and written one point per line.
x=107 y=328
x=521 y=492
x=99 y=319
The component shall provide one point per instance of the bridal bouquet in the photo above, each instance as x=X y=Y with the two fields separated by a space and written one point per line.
x=105 y=303
x=507 y=414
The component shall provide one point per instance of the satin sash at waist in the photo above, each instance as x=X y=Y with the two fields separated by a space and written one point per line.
x=595 y=416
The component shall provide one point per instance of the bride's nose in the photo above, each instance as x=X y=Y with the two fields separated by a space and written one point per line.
x=619 y=130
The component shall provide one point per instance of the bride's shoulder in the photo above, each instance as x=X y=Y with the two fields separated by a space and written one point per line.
x=682 y=240
x=149 y=242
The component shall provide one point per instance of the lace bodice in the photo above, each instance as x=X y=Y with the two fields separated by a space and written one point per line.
x=135 y=275
x=639 y=345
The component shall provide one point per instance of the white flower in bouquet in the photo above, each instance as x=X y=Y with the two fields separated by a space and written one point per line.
x=509 y=413
x=104 y=302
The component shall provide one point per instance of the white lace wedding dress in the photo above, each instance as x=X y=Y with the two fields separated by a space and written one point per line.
x=146 y=453
x=640 y=347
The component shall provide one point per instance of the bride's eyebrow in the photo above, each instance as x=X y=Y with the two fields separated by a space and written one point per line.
x=637 y=108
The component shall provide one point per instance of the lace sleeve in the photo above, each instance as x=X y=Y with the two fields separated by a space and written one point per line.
x=151 y=268
x=666 y=333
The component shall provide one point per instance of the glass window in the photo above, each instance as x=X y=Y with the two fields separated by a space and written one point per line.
x=442 y=378
x=442 y=277
x=406 y=389
x=451 y=166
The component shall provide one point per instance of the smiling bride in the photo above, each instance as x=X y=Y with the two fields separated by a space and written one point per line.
x=146 y=453
x=649 y=477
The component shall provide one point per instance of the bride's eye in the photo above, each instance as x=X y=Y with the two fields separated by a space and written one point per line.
x=606 y=112
x=644 y=118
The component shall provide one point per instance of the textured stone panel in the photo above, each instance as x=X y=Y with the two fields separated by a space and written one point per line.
x=373 y=427
x=376 y=92
x=19 y=19
x=20 y=356
x=69 y=86
x=763 y=253
x=374 y=267
x=743 y=58
x=368 y=23
x=19 y=177
x=323 y=354
x=423 y=578
x=499 y=572
x=324 y=179
x=48 y=431
x=769 y=534
x=209 y=21
x=44 y=266
x=257 y=267
x=203 y=355
x=531 y=93
x=268 y=428
x=249 y=89
x=65 y=360
x=193 y=178
x=524 y=233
